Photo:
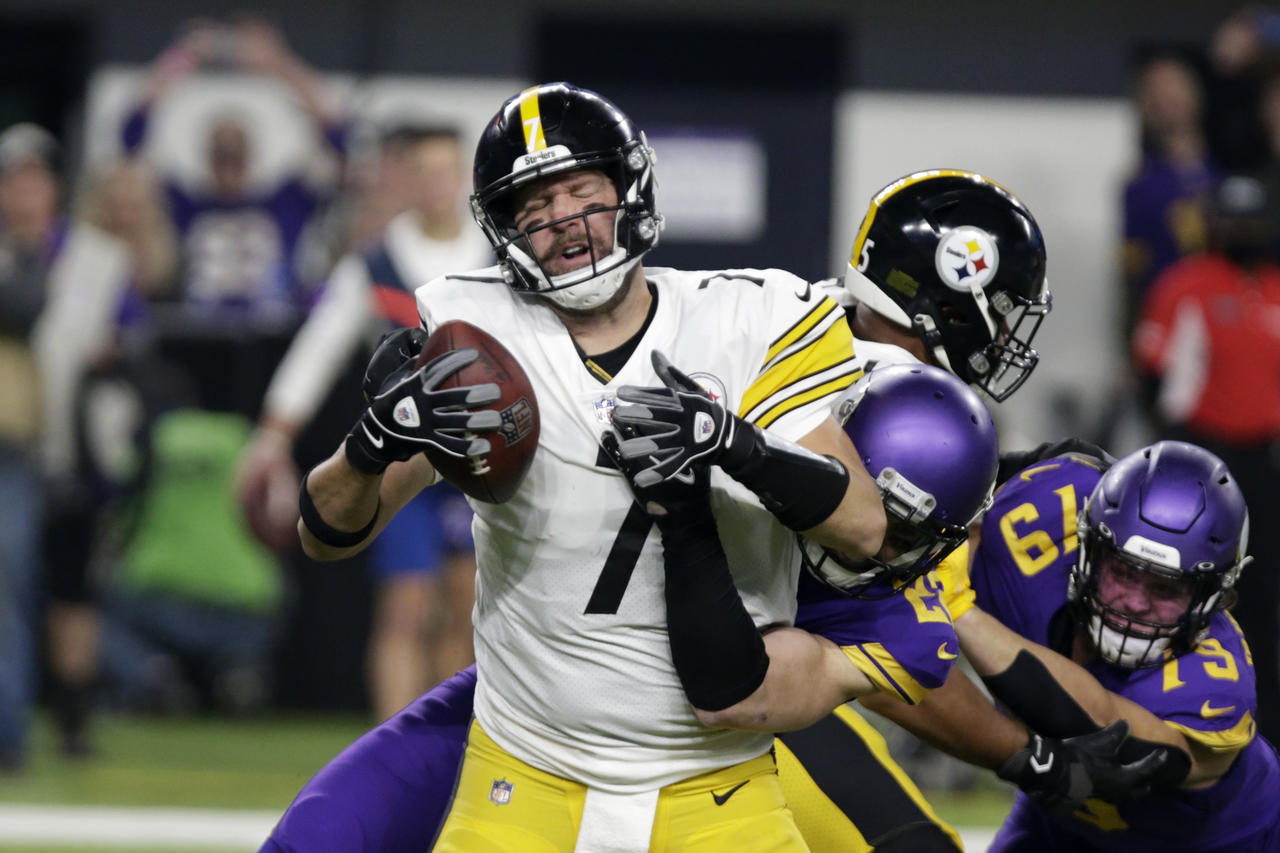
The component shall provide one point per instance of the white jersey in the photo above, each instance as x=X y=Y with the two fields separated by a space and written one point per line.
x=348 y=311
x=575 y=668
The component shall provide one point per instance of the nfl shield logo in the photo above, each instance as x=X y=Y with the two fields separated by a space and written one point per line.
x=604 y=409
x=500 y=792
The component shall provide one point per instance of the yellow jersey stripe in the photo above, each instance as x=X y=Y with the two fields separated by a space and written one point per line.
x=804 y=324
x=832 y=348
x=599 y=371
x=953 y=573
x=1227 y=740
x=531 y=119
x=875 y=662
x=833 y=387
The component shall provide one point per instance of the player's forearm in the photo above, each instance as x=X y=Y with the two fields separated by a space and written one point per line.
x=808 y=677
x=344 y=499
x=348 y=502
x=1081 y=704
x=958 y=719
x=856 y=527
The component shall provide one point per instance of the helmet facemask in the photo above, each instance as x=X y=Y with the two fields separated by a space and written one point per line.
x=1001 y=366
x=634 y=229
x=1106 y=572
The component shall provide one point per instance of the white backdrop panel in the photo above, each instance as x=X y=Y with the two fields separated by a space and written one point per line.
x=1067 y=159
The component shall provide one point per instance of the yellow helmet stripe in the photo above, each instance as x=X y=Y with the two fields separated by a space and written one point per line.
x=531 y=118
x=899 y=185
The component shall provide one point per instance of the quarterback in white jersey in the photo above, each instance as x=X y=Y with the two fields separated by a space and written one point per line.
x=596 y=697
x=582 y=730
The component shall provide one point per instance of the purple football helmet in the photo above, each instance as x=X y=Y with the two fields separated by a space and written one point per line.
x=929 y=443
x=1171 y=521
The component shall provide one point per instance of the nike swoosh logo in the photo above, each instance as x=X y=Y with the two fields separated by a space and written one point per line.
x=1041 y=766
x=808 y=291
x=685 y=477
x=375 y=441
x=721 y=799
x=1209 y=712
x=943 y=654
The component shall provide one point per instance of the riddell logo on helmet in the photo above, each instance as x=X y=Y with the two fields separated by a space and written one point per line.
x=966 y=258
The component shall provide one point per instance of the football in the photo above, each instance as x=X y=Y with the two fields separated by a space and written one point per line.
x=495 y=477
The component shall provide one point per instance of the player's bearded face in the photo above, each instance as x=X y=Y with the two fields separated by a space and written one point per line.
x=569 y=219
x=1141 y=595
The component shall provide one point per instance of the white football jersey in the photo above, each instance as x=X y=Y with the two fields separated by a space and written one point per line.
x=575 y=668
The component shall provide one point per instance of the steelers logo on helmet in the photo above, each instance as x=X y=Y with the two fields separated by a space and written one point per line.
x=967 y=258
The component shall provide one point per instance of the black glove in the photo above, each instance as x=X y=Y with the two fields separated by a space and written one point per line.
x=414 y=414
x=666 y=500
x=392 y=360
x=669 y=431
x=1060 y=775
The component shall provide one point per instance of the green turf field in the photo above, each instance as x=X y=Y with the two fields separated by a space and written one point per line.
x=245 y=764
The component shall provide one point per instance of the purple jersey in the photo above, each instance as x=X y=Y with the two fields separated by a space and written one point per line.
x=388 y=791
x=904 y=643
x=240 y=253
x=1019 y=574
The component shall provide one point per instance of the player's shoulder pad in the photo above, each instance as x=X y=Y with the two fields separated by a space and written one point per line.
x=458 y=289
x=1208 y=694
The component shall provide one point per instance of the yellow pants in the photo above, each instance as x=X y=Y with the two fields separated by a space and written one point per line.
x=849 y=795
x=502 y=805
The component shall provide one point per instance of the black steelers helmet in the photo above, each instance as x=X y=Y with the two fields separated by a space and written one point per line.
x=958 y=259
x=552 y=128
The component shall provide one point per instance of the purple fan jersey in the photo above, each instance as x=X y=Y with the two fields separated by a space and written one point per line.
x=1019 y=574
x=904 y=643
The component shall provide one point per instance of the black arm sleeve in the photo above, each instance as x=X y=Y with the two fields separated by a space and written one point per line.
x=717 y=650
x=1028 y=689
x=801 y=488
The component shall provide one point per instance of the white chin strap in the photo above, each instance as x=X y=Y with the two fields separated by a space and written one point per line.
x=580 y=289
x=590 y=293
x=1129 y=652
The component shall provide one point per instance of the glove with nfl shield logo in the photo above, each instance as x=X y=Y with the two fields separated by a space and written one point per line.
x=412 y=413
x=669 y=433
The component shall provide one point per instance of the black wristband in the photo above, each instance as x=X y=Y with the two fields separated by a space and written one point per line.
x=717 y=650
x=322 y=530
x=800 y=487
x=360 y=453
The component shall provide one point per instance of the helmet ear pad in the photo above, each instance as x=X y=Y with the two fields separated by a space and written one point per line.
x=550 y=130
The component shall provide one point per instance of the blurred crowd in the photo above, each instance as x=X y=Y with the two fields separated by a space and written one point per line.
x=166 y=349
x=149 y=448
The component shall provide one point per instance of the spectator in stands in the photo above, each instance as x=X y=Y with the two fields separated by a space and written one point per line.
x=1208 y=346
x=239 y=244
x=192 y=611
x=62 y=285
x=1164 y=203
x=125 y=201
x=423 y=560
